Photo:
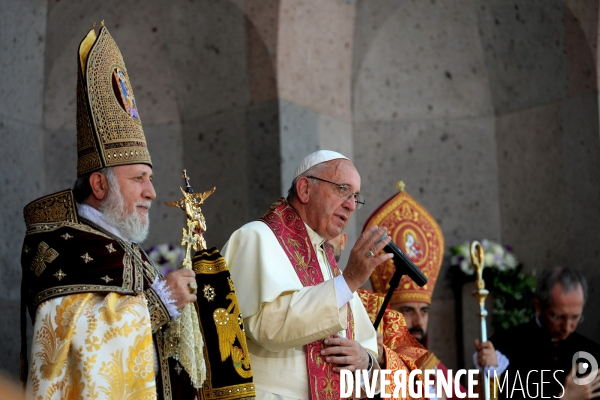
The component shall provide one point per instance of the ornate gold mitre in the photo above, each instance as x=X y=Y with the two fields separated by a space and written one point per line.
x=419 y=236
x=109 y=130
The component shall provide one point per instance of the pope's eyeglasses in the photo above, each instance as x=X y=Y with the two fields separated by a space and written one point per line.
x=345 y=192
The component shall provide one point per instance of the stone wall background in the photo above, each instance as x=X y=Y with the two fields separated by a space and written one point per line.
x=486 y=109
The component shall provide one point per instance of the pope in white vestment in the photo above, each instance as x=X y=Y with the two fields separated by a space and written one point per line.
x=280 y=315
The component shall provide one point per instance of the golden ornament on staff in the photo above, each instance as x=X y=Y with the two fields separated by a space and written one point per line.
x=480 y=294
x=183 y=335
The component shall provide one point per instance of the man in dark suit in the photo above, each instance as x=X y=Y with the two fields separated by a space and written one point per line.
x=548 y=343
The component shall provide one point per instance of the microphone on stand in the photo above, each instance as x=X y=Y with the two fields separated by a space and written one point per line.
x=402 y=262
x=404 y=266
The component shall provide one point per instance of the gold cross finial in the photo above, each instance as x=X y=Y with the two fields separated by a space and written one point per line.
x=187 y=180
x=102 y=22
x=400 y=186
x=477 y=257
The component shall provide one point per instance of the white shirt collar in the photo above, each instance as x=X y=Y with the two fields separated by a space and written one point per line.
x=90 y=213
x=539 y=323
x=316 y=239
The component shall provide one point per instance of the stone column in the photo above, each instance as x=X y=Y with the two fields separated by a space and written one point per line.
x=314 y=76
x=22 y=171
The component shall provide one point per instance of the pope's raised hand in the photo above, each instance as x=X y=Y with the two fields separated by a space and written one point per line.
x=365 y=256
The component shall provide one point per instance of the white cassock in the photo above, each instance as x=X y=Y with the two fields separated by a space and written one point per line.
x=281 y=316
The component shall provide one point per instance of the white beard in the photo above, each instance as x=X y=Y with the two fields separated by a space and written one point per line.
x=130 y=224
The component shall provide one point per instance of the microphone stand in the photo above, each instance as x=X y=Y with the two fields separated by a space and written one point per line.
x=394 y=282
x=404 y=266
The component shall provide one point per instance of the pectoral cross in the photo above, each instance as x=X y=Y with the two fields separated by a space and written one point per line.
x=44 y=255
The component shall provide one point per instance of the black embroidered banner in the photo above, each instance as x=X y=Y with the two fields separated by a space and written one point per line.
x=229 y=374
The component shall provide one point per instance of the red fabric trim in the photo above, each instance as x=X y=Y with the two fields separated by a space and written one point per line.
x=289 y=229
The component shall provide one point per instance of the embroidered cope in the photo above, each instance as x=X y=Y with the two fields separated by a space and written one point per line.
x=402 y=351
x=96 y=318
x=92 y=345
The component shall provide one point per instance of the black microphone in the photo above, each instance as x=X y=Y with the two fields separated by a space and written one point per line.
x=403 y=267
x=403 y=264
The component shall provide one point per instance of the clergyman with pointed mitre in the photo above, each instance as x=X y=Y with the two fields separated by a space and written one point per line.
x=97 y=303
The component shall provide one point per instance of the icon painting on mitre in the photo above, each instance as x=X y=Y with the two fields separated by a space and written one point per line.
x=419 y=236
x=124 y=94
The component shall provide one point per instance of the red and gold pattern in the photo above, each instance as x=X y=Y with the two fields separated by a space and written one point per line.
x=430 y=361
x=288 y=227
x=419 y=236
x=402 y=351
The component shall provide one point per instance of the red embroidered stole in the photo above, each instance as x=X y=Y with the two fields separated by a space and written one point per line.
x=288 y=227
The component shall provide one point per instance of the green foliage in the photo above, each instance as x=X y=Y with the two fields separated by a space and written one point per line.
x=511 y=288
x=513 y=292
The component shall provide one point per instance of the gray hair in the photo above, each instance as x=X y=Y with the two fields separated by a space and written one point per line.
x=568 y=278
x=82 y=188
x=315 y=170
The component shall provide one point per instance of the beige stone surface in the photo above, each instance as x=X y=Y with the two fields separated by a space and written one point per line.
x=586 y=14
x=581 y=45
x=314 y=59
x=582 y=193
x=419 y=60
x=531 y=171
x=139 y=31
x=336 y=135
x=449 y=166
x=22 y=171
x=166 y=148
x=207 y=48
x=524 y=45
x=22 y=44
x=262 y=31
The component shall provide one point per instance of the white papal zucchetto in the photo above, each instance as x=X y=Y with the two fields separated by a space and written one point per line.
x=317 y=157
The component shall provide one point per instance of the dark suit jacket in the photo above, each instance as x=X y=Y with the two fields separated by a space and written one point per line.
x=530 y=349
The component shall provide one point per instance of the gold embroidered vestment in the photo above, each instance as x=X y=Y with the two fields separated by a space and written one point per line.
x=96 y=319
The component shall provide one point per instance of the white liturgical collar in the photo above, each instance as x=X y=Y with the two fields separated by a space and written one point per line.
x=96 y=216
x=316 y=239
